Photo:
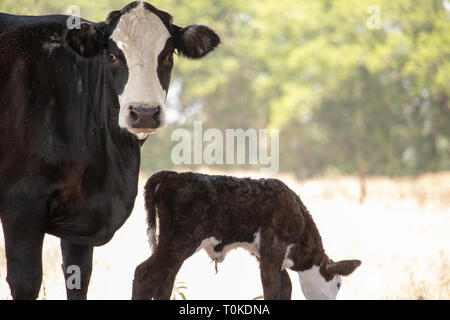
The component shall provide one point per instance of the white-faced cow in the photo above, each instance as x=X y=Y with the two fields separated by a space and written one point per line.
x=220 y=213
x=75 y=107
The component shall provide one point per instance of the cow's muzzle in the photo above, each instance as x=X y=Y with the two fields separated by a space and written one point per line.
x=144 y=117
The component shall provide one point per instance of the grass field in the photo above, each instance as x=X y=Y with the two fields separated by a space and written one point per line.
x=400 y=232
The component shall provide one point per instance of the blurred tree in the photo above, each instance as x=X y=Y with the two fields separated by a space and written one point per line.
x=363 y=98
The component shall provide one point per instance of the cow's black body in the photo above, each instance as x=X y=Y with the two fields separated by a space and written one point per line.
x=11 y=21
x=60 y=141
x=66 y=168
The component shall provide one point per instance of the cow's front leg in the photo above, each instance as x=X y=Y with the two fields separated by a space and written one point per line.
x=23 y=246
x=77 y=268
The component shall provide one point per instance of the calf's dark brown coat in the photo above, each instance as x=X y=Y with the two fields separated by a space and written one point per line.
x=192 y=207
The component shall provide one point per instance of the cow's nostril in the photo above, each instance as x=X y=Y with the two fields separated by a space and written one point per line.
x=144 y=116
x=132 y=114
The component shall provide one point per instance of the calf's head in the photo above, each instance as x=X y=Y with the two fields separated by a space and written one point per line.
x=140 y=41
x=323 y=282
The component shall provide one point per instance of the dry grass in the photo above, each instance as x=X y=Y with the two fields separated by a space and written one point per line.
x=431 y=287
x=400 y=233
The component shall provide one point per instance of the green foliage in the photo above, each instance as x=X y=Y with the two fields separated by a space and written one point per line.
x=347 y=96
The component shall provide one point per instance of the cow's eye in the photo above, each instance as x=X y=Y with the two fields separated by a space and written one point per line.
x=112 y=57
x=339 y=285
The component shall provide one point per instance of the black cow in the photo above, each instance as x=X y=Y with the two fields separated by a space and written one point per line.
x=75 y=107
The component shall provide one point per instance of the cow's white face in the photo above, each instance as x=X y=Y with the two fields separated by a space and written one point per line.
x=142 y=37
x=147 y=40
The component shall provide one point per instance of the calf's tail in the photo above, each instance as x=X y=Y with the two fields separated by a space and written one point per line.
x=151 y=187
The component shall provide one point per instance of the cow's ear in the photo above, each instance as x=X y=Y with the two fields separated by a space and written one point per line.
x=110 y=24
x=195 y=41
x=86 y=40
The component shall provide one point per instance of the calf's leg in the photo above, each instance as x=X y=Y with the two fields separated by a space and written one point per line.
x=77 y=262
x=271 y=282
x=154 y=277
x=272 y=254
x=165 y=289
x=286 y=286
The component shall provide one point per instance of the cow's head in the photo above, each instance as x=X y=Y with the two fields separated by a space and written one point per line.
x=140 y=43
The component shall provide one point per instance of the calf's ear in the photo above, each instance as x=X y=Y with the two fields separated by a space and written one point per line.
x=195 y=41
x=86 y=40
x=344 y=267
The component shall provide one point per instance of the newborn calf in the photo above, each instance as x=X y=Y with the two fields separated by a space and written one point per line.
x=220 y=213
